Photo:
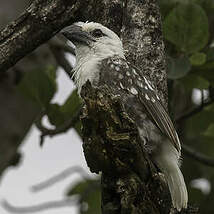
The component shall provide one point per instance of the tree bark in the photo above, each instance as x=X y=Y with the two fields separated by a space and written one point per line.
x=130 y=181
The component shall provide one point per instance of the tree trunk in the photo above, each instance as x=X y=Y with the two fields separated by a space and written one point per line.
x=130 y=182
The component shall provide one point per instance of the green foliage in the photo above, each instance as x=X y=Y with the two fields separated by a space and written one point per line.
x=207 y=72
x=194 y=81
x=196 y=128
x=210 y=54
x=189 y=35
x=55 y=115
x=71 y=105
x=39 y=86
x=210 y=131
x=166 y=6
x=198 y=59
x=197 y=196
x=58 y=115
x=186 y=26
x=178 y=67
x=89 y=191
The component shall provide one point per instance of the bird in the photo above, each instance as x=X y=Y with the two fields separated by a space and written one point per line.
x=100 y=59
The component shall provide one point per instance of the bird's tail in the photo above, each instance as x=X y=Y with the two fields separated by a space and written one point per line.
x=168 y=162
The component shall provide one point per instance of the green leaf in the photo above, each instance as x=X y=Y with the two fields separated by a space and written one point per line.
x=210 y=131
x=93 y=202
x=177 y=68
x=197 y=195
x=208 y=6
x=82 y=186
x=191 y=81
x=210 y=54
x=55 y=115
x=166 y=6
x=51 y=72
x=207 y=74
x=206 y=71
x=58 y=115
x=186 y=26
x=91 y=194
x=78 y=127
x=39 y=87
x=71 y=105
x=198 y=59
x=199 y=124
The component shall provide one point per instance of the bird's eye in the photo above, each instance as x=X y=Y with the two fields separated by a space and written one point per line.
x=97 y=33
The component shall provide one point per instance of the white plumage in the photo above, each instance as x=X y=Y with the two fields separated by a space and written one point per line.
x=88 y=57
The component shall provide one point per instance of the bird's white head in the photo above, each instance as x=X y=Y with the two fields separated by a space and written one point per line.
x=94 y=42
x=94 y=38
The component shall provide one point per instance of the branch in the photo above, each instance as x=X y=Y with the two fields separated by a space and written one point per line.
x=198 y=156
x=37 y=24
x=59 y=177
x=187 y=149
x=41 y=207
x=195 y=110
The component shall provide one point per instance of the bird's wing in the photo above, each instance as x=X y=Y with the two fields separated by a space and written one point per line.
x=161 y=118
x=116 y=72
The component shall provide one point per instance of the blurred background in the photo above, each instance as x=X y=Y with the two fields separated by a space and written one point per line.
x=42 y=166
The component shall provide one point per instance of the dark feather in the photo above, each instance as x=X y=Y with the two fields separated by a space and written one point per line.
x=127 y=81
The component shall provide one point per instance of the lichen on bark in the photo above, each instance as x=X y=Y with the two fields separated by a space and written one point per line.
x=130 y=182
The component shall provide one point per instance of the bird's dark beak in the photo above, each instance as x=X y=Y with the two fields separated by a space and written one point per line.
x=75 y=34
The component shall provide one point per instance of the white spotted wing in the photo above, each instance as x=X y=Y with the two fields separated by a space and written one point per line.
x=125 y=78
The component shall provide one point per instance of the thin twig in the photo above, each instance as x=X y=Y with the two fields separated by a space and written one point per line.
x=202 y=97
x=40 y=207
x=61 y=129
x=198 y=156
x=59 y=177
x=76 y=199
